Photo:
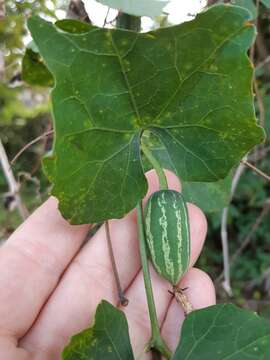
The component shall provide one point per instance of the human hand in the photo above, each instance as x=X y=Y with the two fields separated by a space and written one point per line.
x=50 y=284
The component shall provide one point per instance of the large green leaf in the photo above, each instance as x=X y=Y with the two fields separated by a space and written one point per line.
x=224 y=332
x=107 y=339
x=189 y=84
x=149 y=8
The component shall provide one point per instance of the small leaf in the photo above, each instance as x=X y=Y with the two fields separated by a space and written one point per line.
x=107 y=339
x=209 y=196
x=224 y=332
x=112 y=85
x=149 y=8
x=266 y=3
x=34 y=71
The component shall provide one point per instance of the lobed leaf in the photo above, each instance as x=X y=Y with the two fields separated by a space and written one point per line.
x=224 y=332
x=107 y=339
x=188 y=84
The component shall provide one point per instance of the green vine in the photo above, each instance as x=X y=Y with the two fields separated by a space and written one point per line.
x=163 y=184
x=156 y=341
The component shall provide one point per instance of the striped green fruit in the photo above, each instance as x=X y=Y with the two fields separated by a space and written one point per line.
x=167 y=234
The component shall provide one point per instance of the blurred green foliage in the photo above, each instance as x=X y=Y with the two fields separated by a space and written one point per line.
x=24 y=111
x=251 y=194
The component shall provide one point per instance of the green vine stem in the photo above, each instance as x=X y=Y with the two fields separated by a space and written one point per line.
x=130 y=22
x=121 y=295
x=156 y=341
x=163 y=185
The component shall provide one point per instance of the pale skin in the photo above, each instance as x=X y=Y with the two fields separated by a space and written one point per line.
x=50 y=285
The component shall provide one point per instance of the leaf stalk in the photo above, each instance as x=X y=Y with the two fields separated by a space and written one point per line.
x=121 y=295
x=163 y=184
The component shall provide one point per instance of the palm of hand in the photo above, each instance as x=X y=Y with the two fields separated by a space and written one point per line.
x=50 y=284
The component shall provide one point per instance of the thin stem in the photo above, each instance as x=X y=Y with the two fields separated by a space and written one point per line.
x=156 y=341
x=2 y=10
x=153 y=161
x=32 y=142
x=12 y=183
x=253 y=229
x=224 y=232
x=106 y=17
x=256 y=170
x=123 y=300
x=248 y=238
x=225 y=252
x=130 y=22
x=263 y=62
